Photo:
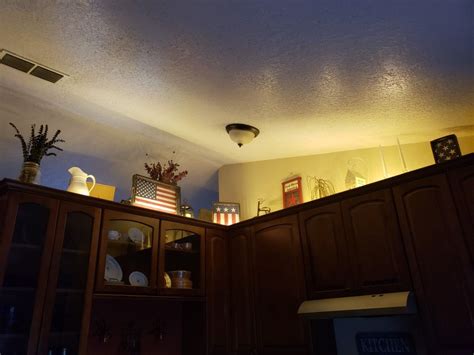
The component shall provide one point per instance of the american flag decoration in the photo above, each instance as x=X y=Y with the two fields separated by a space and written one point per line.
x=226 y=213
x=155 y=195
x=445 y=148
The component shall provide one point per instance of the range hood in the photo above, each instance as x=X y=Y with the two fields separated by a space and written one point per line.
x=359 y=306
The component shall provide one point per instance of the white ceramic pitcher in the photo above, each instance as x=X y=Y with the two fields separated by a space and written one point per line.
x=78 y=180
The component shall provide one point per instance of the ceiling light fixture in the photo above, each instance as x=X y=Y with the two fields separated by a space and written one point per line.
x=241 y=133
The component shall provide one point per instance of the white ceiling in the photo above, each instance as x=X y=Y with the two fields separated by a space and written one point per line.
x=313 y=76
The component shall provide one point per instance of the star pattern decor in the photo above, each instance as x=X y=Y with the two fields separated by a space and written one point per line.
x=226 y=213
x=445 y=148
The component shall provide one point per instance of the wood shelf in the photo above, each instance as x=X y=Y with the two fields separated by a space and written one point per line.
x=5 y=336
x=127 y=244
x=184 y=251
x=26 y=246
x=18 y=289
x=76 y=251
x=70 y=291
x=64 y=334
x=118 y=296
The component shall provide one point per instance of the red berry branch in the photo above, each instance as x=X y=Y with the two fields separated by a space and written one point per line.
x=167 y=173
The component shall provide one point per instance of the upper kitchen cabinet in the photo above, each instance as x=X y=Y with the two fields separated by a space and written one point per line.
x=377 y=255
x=182 y=259
x=128 y=259
x=218 y=291
x=327 y=266
x=279 y=286
x=439 y=260
x=462 y=186
x=242 y=303
x=66 y=316
x=27 y=239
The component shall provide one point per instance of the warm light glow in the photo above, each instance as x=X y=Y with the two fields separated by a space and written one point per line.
x=241 y=133
x=241 y=137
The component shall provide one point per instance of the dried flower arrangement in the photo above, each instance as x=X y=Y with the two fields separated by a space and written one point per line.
x=38 y=145
x=167 y=173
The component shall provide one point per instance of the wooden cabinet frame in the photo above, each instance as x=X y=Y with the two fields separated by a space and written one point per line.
x=167 y=225
x=64 y=209
x=14 y=202
x=243 y=237
x=101 y=286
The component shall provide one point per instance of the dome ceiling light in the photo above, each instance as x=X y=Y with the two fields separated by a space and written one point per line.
x=241 y=133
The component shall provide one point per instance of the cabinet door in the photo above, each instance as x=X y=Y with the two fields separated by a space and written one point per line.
x=279 y=287
x=462 y=185
x=71 y=279
x=128 y=260
x=325 y=251
x=217 y=272
x=242 y=297
x=182 y=259
x=376 y=247
x=438 y=260
x=25 y=253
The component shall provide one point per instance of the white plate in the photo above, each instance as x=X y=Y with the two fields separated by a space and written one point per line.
x=167 y=280
x=136 y=235
x=137 y=278
x=113 y=271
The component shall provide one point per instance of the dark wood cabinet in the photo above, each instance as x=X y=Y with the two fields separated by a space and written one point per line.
x=410 y=232
x=182 y=247
x=279 y=287
x=326 y=255
x=25 y=256
x=439 y=262
x=376 y=249
x=241 y=293
x=462 y=185
x=49 y=250
x=217 y=291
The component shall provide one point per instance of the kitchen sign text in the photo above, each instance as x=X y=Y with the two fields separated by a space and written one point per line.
x=385 y=343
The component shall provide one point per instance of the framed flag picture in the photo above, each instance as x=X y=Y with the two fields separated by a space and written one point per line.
x=226 y=213
x=292 y=192
x=155 y=195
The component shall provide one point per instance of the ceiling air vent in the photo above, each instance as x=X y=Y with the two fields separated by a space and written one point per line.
x=16 y=63
x=30 y=67
x=46 y=74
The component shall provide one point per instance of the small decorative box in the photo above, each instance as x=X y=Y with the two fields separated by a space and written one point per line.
x=445 y=148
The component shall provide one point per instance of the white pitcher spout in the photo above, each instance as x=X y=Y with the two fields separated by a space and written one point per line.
x=75 y=171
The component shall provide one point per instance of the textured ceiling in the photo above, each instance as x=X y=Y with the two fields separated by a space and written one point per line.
x=313 y=76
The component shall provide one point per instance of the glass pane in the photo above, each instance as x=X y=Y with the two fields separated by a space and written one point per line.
x=182 y=259
x=17 y=296
x=72 y=279
x=128 y=259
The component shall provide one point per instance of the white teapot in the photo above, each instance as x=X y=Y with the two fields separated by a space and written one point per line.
x=78 y=180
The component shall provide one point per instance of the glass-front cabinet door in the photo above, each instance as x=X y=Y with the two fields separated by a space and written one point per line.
x=25 y=257
x=181 y=259
x=128 y=253
x=71 y=278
